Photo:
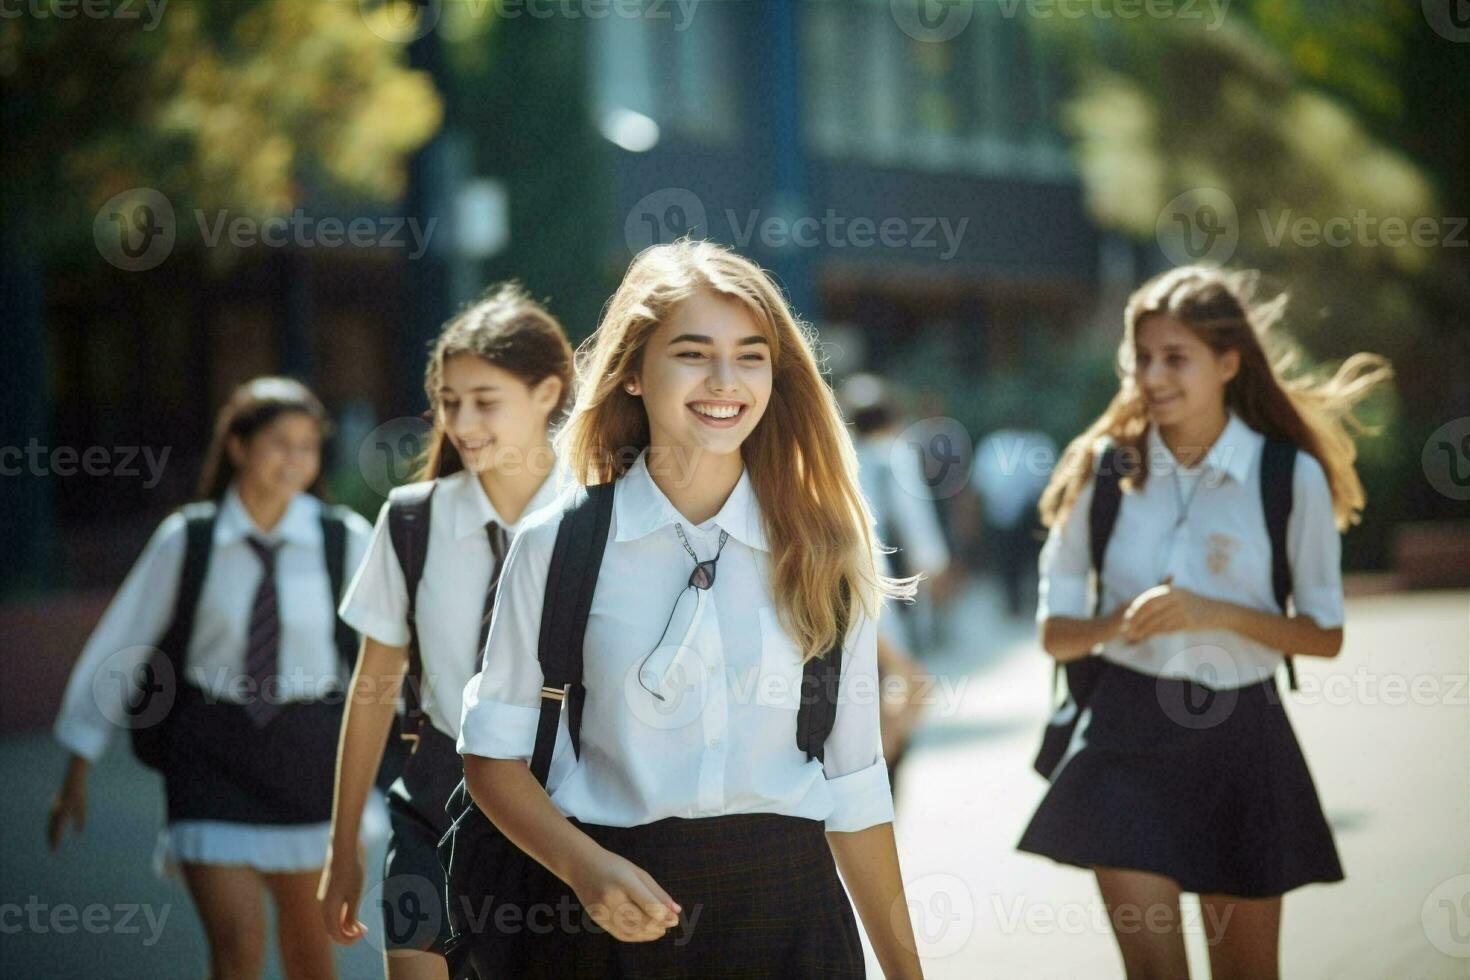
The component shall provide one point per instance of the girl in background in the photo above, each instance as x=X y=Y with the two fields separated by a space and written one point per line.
x=246 y=774
x=497 y=378
x=1183 y=773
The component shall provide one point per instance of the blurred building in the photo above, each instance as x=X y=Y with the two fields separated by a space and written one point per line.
x=898 y=187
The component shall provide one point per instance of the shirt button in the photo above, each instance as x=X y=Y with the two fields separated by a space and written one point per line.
x=714 y=743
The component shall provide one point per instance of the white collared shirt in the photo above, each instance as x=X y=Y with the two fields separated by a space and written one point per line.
x=724 y=740
x=451 y=595
x=1222 y=551
x=140 y=612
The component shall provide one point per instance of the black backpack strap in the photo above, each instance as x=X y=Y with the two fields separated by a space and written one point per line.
x=198 y=543
x=821 y=678
x=409 y=508
x=571 y=580
x=334 y=550
x=1278 y=471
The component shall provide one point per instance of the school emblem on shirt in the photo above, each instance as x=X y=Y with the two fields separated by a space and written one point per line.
x=1222 y=547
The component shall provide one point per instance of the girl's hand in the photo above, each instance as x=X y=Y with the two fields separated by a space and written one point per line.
x=339 y=892
x=624 y=899
x=70 y=803
x=1166 y=608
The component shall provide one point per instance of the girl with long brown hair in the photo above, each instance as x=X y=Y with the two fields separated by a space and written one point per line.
x=691 y=830
x=496 y=380
x=222 y=653
x=1182 y=772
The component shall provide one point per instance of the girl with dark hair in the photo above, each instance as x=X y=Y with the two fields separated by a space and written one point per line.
x=497 y=378
x=223 y=654
x=1182 y=772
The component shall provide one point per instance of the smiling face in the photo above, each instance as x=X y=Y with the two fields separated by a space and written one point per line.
x=280 y=459
x=487 y=412
x=1181 y=377
x=705 y=376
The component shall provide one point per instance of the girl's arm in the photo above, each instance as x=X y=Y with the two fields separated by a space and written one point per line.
x=372 y=700
x=620 y=896
x=1069 y=639
x=1166 y=609
x=868 y=862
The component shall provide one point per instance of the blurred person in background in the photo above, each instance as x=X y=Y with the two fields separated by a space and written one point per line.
x=235 y=599
x=497 y=377
x=1183 y=773
x=1010 y=471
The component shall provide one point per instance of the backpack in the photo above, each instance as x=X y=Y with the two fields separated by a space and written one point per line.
x=409 y=510
x=150 y=742
x=1278 y=465
x=483 y=869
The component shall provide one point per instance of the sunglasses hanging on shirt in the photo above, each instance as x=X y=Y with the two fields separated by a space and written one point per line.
x=701 y=579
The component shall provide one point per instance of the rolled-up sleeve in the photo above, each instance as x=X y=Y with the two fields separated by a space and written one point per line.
x=1065 y=564
x=502 y=703
x=128 y=633
x=853 y=764
x=1314 y=547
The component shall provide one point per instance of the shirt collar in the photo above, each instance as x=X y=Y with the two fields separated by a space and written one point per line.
x=473 y=509
x=640 y=508
x=1232 y=455
x=300 y=524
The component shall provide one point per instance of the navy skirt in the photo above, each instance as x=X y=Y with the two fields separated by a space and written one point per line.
x=414 y=916
x=1205 y=786
x=760 y=897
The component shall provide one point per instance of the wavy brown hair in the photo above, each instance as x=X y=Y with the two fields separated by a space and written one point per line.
x=251 y=407
x=800 y=458
x=1221 y=308
x=513 y=332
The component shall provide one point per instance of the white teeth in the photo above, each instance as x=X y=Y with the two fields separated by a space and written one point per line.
x=717 y=411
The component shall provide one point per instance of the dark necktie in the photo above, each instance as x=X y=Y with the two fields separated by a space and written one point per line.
x=264 y=643
x=498 y=542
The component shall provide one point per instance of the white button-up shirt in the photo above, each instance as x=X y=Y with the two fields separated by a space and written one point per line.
x=140 y=613
x=723 y=740
x=1222 y=551
x=451 y=594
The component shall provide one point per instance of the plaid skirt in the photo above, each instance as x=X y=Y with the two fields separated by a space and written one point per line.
x=760 y=897
x=1206 y=786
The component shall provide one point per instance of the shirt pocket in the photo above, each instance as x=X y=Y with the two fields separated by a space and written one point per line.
x=779 y=685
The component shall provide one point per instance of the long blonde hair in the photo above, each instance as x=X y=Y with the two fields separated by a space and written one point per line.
x=1221 y=308
x=800 y=459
